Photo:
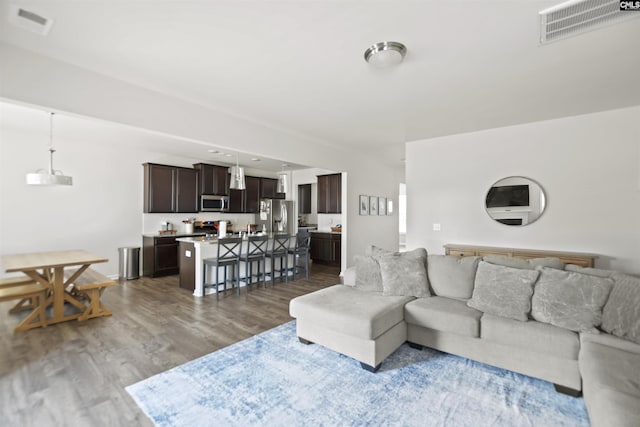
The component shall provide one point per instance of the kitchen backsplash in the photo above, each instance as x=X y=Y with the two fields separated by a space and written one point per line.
x=326 y=221
x=152 y=223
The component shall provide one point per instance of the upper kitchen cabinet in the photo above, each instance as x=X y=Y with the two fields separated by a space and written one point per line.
x=330 y=194
x=252 y=194
x=213 y=179
x=268 y=187
x=169 y=189
x=304 y=199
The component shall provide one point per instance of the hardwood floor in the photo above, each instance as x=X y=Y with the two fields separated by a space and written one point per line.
x=74 y=373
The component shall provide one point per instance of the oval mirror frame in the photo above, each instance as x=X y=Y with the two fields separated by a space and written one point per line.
x=515 y=201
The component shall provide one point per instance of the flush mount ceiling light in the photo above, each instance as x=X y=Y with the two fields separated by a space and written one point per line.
x=51 y=176
x=283 y=180
x=385 y=54
x=237 y=177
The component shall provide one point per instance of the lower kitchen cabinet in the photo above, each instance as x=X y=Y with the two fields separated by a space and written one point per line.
x=326 y=248
x=159 y=255
x=187 y=263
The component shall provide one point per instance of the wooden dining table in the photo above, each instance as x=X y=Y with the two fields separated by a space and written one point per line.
x=47 y=268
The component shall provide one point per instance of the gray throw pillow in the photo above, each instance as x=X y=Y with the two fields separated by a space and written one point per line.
x=451 y=276
x=503 y=291
x=621 y=313
x=589 y=270
x=570 y=300
x=368 y=276
x=404 y=275
x=526 y=264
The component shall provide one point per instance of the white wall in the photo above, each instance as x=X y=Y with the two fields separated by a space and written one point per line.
x=67 y=88
x=587 y=165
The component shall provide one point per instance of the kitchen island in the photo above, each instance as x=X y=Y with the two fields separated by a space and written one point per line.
x=191 y=252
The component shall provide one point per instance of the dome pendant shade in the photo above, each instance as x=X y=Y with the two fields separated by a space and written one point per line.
x=51 y=176
x=385 y=54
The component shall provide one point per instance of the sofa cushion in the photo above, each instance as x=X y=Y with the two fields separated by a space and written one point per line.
x=503 y=291
x=621 y=313
x=404 y=275
x=526 y=264
x=451 y=276
x=349 y=276
x=368 y=277
x=445 y=315
x=599 y=272
x=534 y=336
x=610 y=341
x=346 y=309
x=570 y=300
x=611 y=383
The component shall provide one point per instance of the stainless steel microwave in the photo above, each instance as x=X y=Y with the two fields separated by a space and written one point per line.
x=209 y=203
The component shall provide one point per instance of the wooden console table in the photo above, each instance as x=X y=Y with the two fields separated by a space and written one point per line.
x=578 y=258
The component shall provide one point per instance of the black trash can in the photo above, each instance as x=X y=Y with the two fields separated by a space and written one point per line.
x=129 y=267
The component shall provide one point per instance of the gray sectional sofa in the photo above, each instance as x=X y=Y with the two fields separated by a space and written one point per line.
x=578 y=328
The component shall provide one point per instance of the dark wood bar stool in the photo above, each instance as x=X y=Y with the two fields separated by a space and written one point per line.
x=279 y=251
x=229 y=252
x=257 y=247
x=300 y=252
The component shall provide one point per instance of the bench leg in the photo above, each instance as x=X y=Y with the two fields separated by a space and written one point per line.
x=370 y=368
x=23 y=304
x=95 y=307
x=35 y=319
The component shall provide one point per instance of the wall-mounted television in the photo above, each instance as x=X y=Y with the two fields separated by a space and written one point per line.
x=507 y=196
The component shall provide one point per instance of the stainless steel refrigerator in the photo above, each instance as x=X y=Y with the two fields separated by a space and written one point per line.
x=276 y=216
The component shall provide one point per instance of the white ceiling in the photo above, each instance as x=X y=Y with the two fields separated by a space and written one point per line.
x=298 y=65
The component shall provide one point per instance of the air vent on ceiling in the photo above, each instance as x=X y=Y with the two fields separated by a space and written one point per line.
x=579 y=16
x=30 y=20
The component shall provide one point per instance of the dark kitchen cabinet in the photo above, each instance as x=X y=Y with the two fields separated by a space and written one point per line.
x=236 y=201
x=304 y=199
x=170 y=189
x=330 y=193
x=326 y=248
x=187 y=195
x=160 y=256
x=187 y=264
x=214 y=179
x=268 y=187
x=252 y=194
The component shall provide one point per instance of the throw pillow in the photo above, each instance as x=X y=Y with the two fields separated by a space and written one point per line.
x=621 y=313
x=368 y=276
x=404 y=276
x=570 y=300
x=588 y=270
x=503 y=291
x=451 y=276
x=526 y=264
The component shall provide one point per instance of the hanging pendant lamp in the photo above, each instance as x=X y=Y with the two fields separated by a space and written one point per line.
x=51 y=176
x=283 y=180
x=237 y=177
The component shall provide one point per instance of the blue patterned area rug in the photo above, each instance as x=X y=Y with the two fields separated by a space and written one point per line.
x=273 y=380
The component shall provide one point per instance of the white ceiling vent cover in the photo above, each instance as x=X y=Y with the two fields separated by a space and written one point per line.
x=579 y=16
x=29 y=20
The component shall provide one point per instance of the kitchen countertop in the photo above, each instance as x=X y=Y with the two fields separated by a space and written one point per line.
x=173 y=235
x=203 y=239
x=326 y=232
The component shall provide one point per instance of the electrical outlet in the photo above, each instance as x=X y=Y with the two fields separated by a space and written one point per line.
x=436 y=227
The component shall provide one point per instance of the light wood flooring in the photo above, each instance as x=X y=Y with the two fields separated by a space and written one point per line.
x=74 y=373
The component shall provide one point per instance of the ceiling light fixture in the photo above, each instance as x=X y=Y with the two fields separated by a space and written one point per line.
x=52 y=176
x=237 y=177
x=283 y=180
x=385 y=54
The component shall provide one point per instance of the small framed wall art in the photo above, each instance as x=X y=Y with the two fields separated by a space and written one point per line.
x=373 y=205
x=364 y=205
x=382 y=205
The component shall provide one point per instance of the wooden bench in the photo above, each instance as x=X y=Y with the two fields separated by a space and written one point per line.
x=24 y=303
x=91 y=284
x=36 y=293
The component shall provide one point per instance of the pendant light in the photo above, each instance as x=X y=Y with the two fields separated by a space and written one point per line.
x=237 y=177
x=283 y=181
x=51 y=176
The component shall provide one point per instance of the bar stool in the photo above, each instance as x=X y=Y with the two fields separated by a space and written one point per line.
x=229 y=251
x=280 y=251
x=301 y=250
x=256 y=252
